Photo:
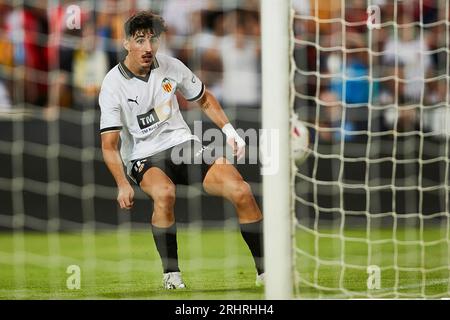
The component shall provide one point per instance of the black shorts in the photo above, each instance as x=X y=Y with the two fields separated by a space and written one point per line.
x=186 y=163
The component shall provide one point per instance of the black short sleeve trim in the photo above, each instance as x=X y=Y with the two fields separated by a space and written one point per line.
x=199 y=95
x=104 y=130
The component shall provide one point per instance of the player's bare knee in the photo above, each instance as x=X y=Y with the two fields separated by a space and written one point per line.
x=241 y=194
x=165 y=196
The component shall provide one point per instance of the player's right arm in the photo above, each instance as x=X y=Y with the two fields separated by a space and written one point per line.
x=110 y=126
x=111 y=156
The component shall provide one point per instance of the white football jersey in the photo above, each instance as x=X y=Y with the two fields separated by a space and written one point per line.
x=145 y=110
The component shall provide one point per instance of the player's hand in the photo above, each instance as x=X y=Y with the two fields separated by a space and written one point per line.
x=125 y=196
x=234 y=140
x=238 y=146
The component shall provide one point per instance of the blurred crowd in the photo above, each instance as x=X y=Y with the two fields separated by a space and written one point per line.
x=54 y=58
x=400 y=70
x=399 y=67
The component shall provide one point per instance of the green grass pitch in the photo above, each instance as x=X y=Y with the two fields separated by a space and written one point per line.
x=123 y=264
x=332 y=263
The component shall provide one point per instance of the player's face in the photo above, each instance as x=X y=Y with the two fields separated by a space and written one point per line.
x=142 y=48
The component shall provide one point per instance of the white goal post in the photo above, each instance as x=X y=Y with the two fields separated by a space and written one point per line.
x=275 y=21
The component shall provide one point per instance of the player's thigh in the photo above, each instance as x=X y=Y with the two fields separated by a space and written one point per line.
x=222 y=178
x=156 y=184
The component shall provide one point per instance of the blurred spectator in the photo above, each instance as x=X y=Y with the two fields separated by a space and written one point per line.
x=407 y=54
x=301 y=7
x=206 y=51
x=62 y=44
x=183 y=20
x=5 y=101
x=178 y=15
x=56 y=15
x=413 y=63
x=89 y=67
x=6 y=48
x=83 y=63
x=240 y=57
x=355 y=88
x=429 y=11
x=6 y=60
x=356 y=14
x=110 y=16
x=331 y=118
x=352 y=85
x=28 y=29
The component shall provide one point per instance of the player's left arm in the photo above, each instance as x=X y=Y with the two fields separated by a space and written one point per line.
x=194 y=90
x=212 y=108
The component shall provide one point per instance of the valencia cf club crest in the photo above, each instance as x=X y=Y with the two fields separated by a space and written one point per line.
x=166 y=85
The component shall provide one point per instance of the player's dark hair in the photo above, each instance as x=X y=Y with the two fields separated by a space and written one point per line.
x=143 y=21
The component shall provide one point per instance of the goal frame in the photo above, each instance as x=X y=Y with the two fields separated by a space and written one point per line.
x=276 y=93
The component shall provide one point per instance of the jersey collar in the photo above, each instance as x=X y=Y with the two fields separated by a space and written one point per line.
x=130 y=75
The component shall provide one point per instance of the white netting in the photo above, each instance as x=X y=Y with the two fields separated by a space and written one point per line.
x=374 y=194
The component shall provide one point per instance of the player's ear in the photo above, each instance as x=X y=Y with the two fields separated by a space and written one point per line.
x=126 y=44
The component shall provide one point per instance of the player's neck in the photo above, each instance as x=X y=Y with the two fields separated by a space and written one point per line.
x=137 y=70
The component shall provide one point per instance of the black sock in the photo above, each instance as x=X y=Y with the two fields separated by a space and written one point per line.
x=166 y=243
x=252 y=234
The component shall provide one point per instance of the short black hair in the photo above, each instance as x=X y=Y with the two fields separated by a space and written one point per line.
x=143 y=21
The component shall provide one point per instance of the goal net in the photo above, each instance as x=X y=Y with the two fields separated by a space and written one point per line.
x=371 y=82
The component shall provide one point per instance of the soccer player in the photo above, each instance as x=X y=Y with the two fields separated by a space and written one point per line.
x=139 y=106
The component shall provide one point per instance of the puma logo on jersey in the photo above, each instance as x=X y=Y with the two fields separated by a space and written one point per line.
x=135 y=100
